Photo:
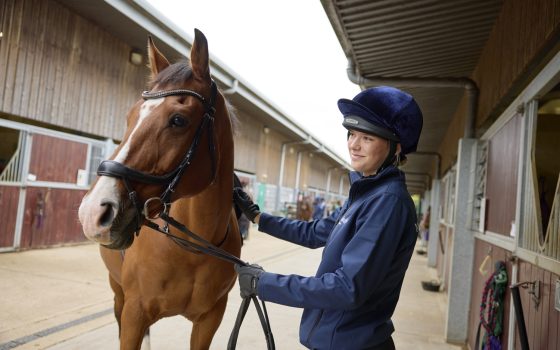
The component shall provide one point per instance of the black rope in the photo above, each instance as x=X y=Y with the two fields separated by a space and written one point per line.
x=204 y=246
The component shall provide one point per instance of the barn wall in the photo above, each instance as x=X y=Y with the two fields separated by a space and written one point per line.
x=501 y=181
x=519 y=44
x=318 y=174
x=268 y=154
x=524 y=37
x=246 y=139
x=542 y=322
x=58 y=68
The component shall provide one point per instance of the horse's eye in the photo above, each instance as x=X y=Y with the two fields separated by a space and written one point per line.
x=177 y=121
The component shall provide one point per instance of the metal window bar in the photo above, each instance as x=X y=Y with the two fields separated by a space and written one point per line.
x=480 y=183
x=451 y=200
x=96 y=156
x=552 y=244
x=530 y=224
x=13 y=170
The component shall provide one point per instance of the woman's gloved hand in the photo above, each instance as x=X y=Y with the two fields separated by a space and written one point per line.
x=246 y=204
x=248 y=279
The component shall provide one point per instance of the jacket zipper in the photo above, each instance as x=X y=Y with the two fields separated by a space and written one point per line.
x=314 y=327
x=316 y=323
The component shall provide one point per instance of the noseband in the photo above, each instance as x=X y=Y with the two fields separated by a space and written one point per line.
x=118 y=170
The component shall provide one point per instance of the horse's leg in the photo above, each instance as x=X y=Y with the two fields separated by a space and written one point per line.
x=134 y=325
x=119 y=303
x=205 y=327
x=146 y=344
x=118 y=300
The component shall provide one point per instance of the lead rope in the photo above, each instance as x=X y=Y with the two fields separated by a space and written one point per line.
x=492 y=302
x=208 y=248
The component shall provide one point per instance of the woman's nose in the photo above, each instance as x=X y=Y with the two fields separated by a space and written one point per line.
x=353 y=142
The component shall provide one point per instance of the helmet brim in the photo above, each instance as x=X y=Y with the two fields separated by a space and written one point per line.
x=353 y=122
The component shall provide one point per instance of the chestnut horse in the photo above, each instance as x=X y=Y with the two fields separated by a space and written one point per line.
x=178 y=148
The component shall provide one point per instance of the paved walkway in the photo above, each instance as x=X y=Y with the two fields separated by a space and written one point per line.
x=59 y=299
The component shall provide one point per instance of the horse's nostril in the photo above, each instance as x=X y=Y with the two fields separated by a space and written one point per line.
x=108 y=215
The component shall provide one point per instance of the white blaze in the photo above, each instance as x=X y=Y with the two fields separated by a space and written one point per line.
x=106 y=187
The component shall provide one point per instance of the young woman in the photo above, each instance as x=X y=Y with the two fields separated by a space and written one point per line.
x=368 y=241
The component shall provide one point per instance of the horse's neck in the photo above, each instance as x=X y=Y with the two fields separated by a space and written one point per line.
x=207 y=214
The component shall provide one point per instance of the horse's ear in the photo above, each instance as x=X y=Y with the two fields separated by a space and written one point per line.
x=158 y=62
x=199 y=56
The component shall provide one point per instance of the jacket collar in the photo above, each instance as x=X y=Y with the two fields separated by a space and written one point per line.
x=387 y=172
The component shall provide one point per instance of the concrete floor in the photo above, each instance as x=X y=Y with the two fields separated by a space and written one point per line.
x=59 y=298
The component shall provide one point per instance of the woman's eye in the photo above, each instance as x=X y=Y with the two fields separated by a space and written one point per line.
x=177 y=121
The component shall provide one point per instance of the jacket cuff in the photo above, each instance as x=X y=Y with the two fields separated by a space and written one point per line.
x=264 y=279
x=264 y=222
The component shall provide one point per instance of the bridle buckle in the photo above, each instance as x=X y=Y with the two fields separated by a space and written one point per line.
x=146 y=212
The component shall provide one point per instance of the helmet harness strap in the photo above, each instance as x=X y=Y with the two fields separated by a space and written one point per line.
x=391 y=157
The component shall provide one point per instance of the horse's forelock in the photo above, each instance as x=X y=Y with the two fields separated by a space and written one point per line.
x=174 y=75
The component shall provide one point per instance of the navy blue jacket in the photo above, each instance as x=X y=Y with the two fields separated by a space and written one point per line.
x=368 y=244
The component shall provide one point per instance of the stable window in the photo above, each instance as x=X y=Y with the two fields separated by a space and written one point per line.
x=546 y=165
x=97 y=155
x=11 y=151
x=540 y=227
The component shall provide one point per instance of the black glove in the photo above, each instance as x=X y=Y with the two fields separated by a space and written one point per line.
x=248 y=279
x=244 y=202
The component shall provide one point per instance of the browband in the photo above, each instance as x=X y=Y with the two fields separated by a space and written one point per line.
x=147 y=95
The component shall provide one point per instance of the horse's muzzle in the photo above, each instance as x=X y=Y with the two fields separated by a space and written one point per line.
x=123 y=228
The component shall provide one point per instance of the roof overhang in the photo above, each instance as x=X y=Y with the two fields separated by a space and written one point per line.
x=427 y=48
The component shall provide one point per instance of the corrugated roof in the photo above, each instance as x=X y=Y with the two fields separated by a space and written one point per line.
x=417 y=39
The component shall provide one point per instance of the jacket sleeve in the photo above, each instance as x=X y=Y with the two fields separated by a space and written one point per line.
x=366 y=263
x=311 y=234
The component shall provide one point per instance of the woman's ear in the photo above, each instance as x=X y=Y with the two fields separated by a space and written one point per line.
x=400 y=158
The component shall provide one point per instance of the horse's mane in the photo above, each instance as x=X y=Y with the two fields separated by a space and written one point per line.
x=180 y=71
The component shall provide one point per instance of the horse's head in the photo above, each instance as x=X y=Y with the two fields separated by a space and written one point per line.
x=169 y=149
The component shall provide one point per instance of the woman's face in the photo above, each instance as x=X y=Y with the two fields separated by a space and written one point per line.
x=367 y=152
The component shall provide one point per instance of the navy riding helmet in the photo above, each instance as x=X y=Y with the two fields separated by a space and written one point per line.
x=386 y=112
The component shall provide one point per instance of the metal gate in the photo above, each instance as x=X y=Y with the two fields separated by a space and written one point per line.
x=43 y=176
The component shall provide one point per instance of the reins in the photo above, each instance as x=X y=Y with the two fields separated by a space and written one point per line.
x=202 y=245
x=198 y=244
